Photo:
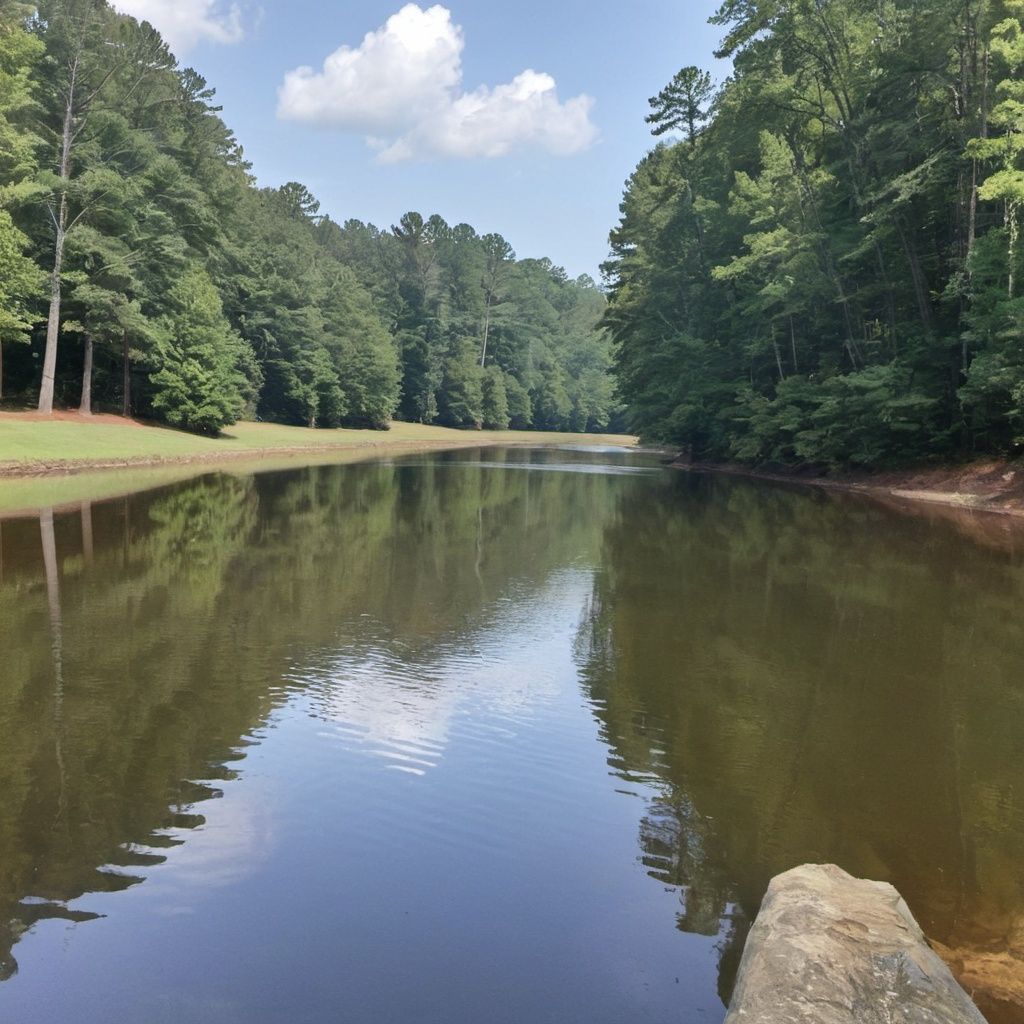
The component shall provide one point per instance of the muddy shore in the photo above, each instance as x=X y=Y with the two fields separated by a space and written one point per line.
x=983 y=501
x=992 y=485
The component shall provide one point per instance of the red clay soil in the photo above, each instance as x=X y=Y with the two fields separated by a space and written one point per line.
x=993 y=978
x=993 y=485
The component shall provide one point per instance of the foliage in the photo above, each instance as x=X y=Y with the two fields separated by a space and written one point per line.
x=824 y=265
x=200 y=384
x=19 y=277
x=205 y=298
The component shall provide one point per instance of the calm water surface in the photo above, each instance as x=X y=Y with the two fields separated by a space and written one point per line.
x=508 y=736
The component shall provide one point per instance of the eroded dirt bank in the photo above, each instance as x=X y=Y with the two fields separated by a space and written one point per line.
x=984 y=499
x=992 y=485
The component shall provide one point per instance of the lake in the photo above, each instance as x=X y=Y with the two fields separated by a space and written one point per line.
x=506 y=735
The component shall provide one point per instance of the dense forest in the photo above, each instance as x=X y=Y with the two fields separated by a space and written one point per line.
x=142 y=269
x=821 y=262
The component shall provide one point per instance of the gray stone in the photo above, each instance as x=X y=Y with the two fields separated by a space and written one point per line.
x=828 y=948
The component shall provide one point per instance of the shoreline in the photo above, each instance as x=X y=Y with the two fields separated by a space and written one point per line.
x=66 y=442
x=992 y=486
x=107 y=467
x=10 y=470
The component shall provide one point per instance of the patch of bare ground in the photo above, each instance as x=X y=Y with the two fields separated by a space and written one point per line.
x=993 y=485
x=994 y=979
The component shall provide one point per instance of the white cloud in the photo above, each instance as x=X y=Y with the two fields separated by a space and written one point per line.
x=183 y=23
x=402 y=89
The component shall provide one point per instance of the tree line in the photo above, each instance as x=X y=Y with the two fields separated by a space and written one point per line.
x=821 y=262
x=142 y=269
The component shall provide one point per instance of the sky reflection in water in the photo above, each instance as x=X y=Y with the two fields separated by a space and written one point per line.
x=430 y=740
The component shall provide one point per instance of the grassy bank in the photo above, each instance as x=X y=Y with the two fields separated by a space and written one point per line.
x=63 y=460
x=31 y=444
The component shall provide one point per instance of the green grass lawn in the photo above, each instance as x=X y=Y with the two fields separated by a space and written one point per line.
x=147 y=456
x=65 y=441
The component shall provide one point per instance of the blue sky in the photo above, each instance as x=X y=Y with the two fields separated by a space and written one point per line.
x=456 y=124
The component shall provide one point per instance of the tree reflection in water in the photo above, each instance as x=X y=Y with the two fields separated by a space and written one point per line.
x=780 y=676
x=148 y=639
x=812 y=678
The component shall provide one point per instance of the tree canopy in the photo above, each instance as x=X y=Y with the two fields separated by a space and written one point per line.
x=820 y=262
x=146 y=269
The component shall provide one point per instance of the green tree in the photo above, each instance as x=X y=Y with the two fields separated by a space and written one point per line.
x=199 y=382
x=20 y=52
x=809 y=273
x=1006 y=185
x=685 y=103
x=498 y=258
x=494 y=404
x=143 y=184
x=19 y=280
x=99 y=59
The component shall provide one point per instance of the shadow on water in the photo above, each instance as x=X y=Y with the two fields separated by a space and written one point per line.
x=813 y=678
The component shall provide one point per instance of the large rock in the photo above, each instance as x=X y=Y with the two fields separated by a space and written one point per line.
x=828 y=948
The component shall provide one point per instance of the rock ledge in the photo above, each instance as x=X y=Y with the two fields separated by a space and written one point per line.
x=828 y=948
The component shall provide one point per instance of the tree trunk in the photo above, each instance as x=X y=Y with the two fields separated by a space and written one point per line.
x=126 y=402
x=920 y=282
x=890 y=298
x=87 y=543
x=828 y=264
x=698 y=228
x=972 y=200
x=972 y=213
x=60 y=224
x=1014 y=227
x=972 y=216
x=1 y=370
x=85 y=407
x=778 y=354
x=53 y=321
x=844 y=302
x=487 y=331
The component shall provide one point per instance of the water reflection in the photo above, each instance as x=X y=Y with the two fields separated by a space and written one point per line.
x=404 y=710
x=148 y=640
x=98 y=710
x=776 y=676
x=815 y=679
